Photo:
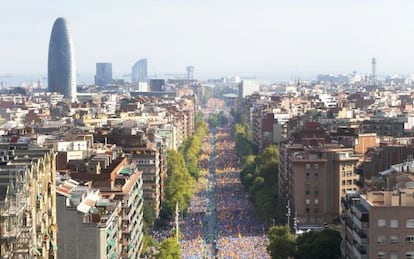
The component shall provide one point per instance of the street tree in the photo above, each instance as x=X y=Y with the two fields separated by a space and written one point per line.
x=323 y=244
x=282 y=242
x=169 y=249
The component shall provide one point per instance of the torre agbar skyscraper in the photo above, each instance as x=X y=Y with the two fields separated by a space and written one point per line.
x=61 y=61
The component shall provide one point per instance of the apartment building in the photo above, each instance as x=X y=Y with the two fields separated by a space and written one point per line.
x=318 y=178
x=28 y=226
x=270 y=128
x=384 y=156
x=383 y=126
x=379 y=224
x=148 y=160
x=105 y=219
x=130 y=192
x=314 y=175
x=89 y=225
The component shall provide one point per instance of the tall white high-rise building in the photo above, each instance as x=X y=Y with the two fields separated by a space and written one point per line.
x=248 y=87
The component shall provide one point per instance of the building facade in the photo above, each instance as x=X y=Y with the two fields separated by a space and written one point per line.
x=314 y=178
x=379 y=224
x=139 y=71
x=103 y=75
x=104 y=219
x=148 y=161
x=28 y=224
x=248 y=87
x=61 y=61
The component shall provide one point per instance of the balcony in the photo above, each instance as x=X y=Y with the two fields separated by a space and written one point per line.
x=348 y=246
x=21 y=250
x=343 y=247
x=39 y=228
x=349 y=232
x=11 y=234
x=27 y=224
x=360 y=237
x=360 y=224
x=360 y=212
x=343 y=236
x=126 y=228
x=39 y=205
x=14 y=210
x=360 y=252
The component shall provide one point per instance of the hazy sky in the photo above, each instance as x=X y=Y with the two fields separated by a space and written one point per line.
x=260 y=37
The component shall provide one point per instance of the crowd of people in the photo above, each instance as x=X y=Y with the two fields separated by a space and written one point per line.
x=237 y=232
x=240 y=234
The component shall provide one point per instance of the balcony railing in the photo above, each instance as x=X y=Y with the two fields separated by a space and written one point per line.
x=360 y=238
x=11 y=234
x=360 y=252
x=360 y=224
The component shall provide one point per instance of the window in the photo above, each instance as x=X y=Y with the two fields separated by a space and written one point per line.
x=316 y=174
x=409 y=223
x=316 y=192
x=393 y=239
x=394 y=223
x=307 y=174
x=394 y=255
x=307 y=201
x=409 y=255
x=381 y=223
x=307 y=166
x=307 y=192
x=381 y=239
x=409 y=239
x=316 y=166
x=381 y=255
x=343 y=173
x=316 y=201
x=343 y=182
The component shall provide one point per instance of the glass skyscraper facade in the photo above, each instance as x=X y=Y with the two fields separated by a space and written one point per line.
x=139 y=71
x=61 y=61
x=103 y=75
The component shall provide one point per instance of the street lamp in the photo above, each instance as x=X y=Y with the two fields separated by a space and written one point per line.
x=288 y=213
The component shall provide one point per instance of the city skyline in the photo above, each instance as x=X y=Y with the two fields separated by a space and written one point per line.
x=217 y=37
